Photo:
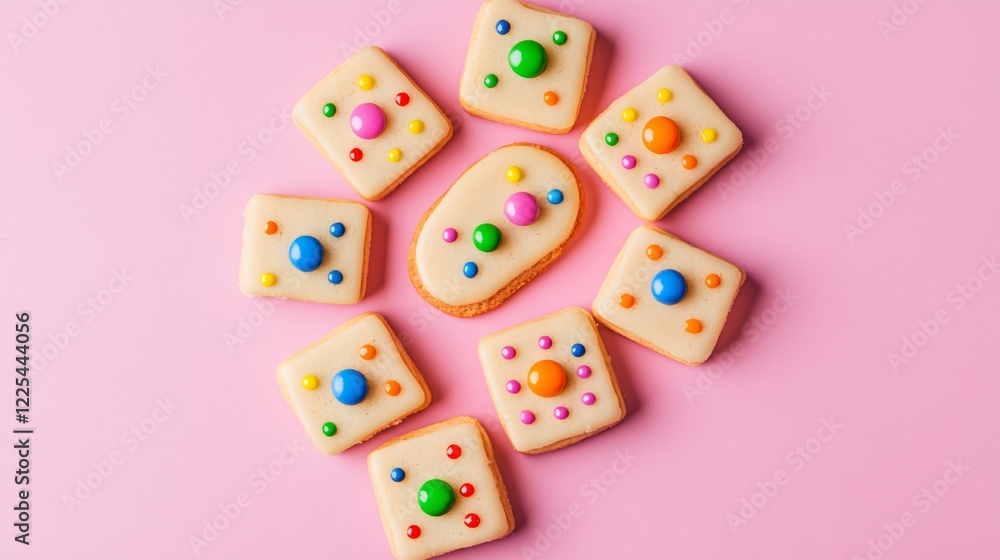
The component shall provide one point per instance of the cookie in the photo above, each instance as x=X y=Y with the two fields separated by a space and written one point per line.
x=352 y=383
x=313 y=249
x=551 y=381
x=667 y=295
x=502 y=222
x=439 y=490
x=373 y=123
x=658 y=143
x=527 y=66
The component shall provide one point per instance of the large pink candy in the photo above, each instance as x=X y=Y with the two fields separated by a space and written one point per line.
x=367 y=121
x=521 y=209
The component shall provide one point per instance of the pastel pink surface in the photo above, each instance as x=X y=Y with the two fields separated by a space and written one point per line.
x=834 y=109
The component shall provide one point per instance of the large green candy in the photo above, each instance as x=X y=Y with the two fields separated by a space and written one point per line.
x=435 y=497
x=528 y=59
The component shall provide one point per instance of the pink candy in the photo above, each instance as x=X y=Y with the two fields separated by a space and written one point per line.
x=521 y=209
x=367 y=121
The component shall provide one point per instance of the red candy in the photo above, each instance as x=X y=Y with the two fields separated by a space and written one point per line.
x=413 y=532
x=454 y=451
x=356 y=155
x=472 y=521
x=467 y=490
x=402 y=99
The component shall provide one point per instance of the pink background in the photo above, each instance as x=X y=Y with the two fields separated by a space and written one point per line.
x=767 y=391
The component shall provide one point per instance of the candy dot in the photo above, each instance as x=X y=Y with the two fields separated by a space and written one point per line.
x=514 y=174
x=651 y=180
x=367 y=352
x=669 y=286
x=545 y=342
x=626 y=301
x=416 y=126
x=503 y=26
x=366 y=82
x=559 y=37
x=664 y=95
x=513 y=387
x=508 y=352
x=449 y=235
x=578 y=350
x=337 y=229
x=268 y=279
x=654 y=252
x=270 y=228
x=661 y=135
x=392 y=388
x=470 y=270
x=435 y=497
x=588 y=399
x=490 y=81
x=472 y=521
x=397 y=474
x=709 y=135
x=584 y=371
x=546 y=378
x=329 y=429
x=310 y=382
x=521 y=209
x=693 y=326
x=367 y=121
x=528 y=59
x=395 y=155
x=306 y=253
x=630 y=115
x=486 y=237
x=402 y=99
x=561 y=413
x=467 y=490
x=527 y=417
x=335 y=277
x=555 y=196
x=350 y=386
x=356 y=154
x=453 y=451
x=713 y=281
x=413 y=532
x=329 y=110
x=550 y=98
x=611 y=139
x=628 y=162
x=689 y=161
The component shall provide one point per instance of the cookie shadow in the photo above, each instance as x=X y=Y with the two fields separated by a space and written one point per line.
x=377 y=252
x=738 y=315
x=600 y=64
x=616 y=344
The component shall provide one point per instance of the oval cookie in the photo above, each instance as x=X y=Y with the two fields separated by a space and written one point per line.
x=502 y=222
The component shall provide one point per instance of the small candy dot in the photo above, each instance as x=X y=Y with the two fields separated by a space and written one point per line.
x=335 y=277
x=413 y=532
x=578 y=350
x=470 y=270
x=654 y=252
x=626 y=301
x=651 y=180
x=689 y=161
x=628 y=162
x=527 y=417
x=545 y=343
x=472 y=521
x=467 y=490
x=337 y=229
x=555 y=196
x=583 y=371
x=416 y=126
x=693 y=326
x=397 y=474
x=709 y=135
x=664 y=95
x=329 y=429
x=490 y=81
x=310 y=382
x=329 y=110
x=611 y=139
x=356 y=154
x=395 y=155
x=392 y=388
x=588 y=399
x=402 y=99
x=367 y=352
x=508 y=352
x=268 y=279
x=561 y=413
x=503 y=26
x=513 y=387
x=270 y=228
x=514 y=174
x=630 y=114
x=559 y=37
x=449 y=235
x=366 y=82
x=453 y=451
x=550 y=98
x=713 y=281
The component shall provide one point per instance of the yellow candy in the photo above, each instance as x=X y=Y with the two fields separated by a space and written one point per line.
x=366 y=82
x=310 y=382
x=268 y=279
x=514 y=174
x=709 y=135
x=630 y=114
x=395 y=155
x=416 y=126
x=664 y=95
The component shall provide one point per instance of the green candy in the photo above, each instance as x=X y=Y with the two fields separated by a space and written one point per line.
x=486 y=237
x=528 y=59
x=611 y=138
x=329 y=429
x=329 y=110
x=490 y=81
x=436 y=497
x=559 y=37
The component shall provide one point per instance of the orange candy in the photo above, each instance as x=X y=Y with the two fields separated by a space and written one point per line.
x=661 y=135
x=367 y=351
x=693 y=326
x=654 y=252
x=546 y=378
x=550 y=98
x=392 y=388
x=627 y=301
x=270 y=228
x=689 y=161
x=713 y=281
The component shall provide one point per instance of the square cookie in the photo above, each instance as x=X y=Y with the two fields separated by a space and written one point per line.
x=669 y=296
x=551 y=381
x=527 y=66
x=439 y=490
x=373 y=123
x=658 y=143
x=352 y=383
x=313 y=249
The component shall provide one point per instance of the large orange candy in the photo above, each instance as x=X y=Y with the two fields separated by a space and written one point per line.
x=661 y=135
x=546 y=378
